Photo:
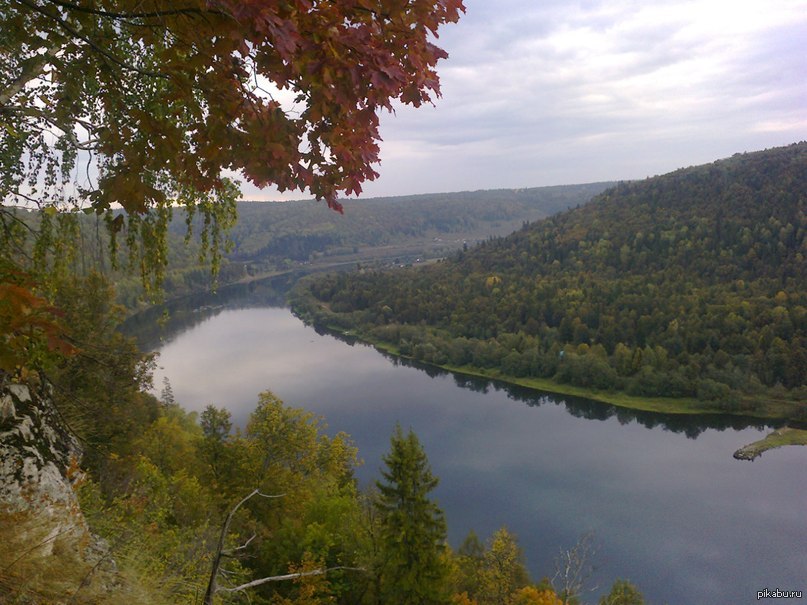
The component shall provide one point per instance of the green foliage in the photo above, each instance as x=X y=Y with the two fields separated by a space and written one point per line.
x=622 y=593
x=271 y=237
x=413 y=531
x=161 y=504
x=496 y=574
x=504 y=570
x=692 y=284
x=166 y=100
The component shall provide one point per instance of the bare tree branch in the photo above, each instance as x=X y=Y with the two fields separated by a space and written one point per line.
x=289 y=576
x=574 y=568
x=232 y=552
x=212 y=585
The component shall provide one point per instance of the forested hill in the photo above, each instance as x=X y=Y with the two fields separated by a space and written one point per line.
x=269 y=237
x=298 y=230
x=691 y=284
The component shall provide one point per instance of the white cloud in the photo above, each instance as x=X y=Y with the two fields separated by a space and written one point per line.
x=550 y=92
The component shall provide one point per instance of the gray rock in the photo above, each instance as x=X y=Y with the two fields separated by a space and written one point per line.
x=39 y=460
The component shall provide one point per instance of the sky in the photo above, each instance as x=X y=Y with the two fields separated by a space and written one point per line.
x=554 y=92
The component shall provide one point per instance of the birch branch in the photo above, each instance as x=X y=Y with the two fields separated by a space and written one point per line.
x=212 y=585
x=32 y=70
x=289 y=576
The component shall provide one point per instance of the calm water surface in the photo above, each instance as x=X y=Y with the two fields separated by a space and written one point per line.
x=670 y=508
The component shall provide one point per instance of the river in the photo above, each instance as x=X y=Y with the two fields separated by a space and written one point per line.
x=669 y=507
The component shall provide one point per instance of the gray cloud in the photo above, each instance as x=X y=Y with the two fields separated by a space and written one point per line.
x=553 y=92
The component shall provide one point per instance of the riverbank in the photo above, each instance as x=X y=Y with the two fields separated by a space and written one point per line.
x=766 y=407
x=663 y=405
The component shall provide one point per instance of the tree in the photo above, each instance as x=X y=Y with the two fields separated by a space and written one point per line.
x=101 y=391
x=504 y=568
x=216 y=425
x=574 y=568
x=163 y=99
x=623 y=593
x=307 y=570
x=216 y=422
x=532 y=595
x=414 y=569
x=469 y=565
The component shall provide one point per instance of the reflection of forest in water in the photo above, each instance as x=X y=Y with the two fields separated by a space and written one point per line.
x=158 y=325
x=690 y=425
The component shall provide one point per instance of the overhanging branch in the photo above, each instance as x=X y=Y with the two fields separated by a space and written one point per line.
x=96 y=47
x=33 y=69
x=133 y=15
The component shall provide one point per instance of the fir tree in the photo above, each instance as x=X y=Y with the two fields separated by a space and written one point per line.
x=413 y=527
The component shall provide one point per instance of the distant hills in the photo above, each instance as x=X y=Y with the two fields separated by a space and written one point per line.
x=299 y=231
x=271 y=237
x=691 y=284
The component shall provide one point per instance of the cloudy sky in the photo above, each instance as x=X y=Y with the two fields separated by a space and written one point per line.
x=549 y=92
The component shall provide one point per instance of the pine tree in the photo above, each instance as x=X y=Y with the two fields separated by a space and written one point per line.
x=414 y=569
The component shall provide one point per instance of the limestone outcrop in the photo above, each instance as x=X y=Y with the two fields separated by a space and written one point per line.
x=47 y=551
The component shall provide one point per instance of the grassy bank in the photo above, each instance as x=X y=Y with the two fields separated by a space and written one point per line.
x=778 y=438
x=666 y=405
x=755 y=406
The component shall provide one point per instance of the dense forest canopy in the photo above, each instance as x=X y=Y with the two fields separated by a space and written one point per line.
x=273 y=237
x=690 y=284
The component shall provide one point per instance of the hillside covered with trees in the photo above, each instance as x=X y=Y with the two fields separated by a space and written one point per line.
x=272 y=237
x=689 y=285
x=299 y=230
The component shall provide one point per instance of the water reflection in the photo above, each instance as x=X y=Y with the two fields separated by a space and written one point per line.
x=158 y=325
x=680 y=517
x=691 y=425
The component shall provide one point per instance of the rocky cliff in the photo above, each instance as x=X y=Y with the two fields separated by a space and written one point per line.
x=47 y=553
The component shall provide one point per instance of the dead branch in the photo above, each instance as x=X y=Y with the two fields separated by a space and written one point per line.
x=289 y=576
x=212 y=586
x=574 y=568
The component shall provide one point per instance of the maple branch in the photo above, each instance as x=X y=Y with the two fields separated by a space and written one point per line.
x=103 y=52
x=114 y=15
x=289 y=576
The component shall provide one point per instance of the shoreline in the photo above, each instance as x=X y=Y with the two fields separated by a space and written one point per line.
x=662 y=405
x=780 y=437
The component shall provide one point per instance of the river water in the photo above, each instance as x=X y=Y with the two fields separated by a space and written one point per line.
x=669 y=507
